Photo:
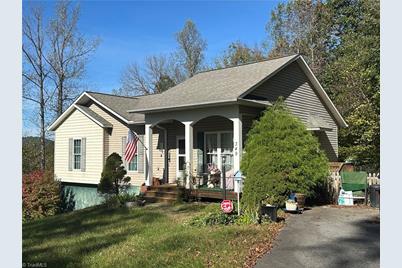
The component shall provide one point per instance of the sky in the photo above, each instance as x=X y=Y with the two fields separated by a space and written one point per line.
x=131 y=30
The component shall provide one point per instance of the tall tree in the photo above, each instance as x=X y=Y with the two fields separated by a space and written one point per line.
x=158 y=74
x=341 y=42
x=239 y=53
x=36 y=71
x=299 y=26
x=191 y=48
x=69 y=51
x=352 y=78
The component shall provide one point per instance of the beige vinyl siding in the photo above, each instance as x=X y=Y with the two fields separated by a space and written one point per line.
x=114 y=139
x=77 y=125
x=158 y=155
x=174 y=129
x=301 y=98
x=247 y=122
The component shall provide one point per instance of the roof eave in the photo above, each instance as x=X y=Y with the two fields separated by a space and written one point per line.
x=67 y=112
x=92 y=118
x=318 y=129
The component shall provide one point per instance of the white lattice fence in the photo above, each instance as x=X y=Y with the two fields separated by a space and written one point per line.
x=335 y=183
x=373 y=178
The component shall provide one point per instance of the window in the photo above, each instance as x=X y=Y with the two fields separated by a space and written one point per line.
x=218 y=144
x=181 y=156
x=227 y=149
x=77 y=154
x=133 y=165
x=212 y=148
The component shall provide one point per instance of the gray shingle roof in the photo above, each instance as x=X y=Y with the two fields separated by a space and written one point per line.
x=216 y=86
x=120 y=105
x=93 y=115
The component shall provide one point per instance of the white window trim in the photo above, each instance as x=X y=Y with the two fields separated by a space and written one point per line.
x=219 y=148
x=74 y=154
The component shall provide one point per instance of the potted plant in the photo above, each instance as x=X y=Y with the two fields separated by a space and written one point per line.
x=143 y=188
x=268 y=208
x=300 y=199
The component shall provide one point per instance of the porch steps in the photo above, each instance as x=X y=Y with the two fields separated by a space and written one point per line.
x=153 y=193
x=166 y=193
x=158 y=199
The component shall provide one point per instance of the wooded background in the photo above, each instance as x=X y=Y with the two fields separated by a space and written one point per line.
x=340 y=40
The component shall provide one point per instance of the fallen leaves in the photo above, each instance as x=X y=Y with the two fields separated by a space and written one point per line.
x=263 y=247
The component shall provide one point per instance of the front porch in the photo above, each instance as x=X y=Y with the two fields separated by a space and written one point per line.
x=191 y=141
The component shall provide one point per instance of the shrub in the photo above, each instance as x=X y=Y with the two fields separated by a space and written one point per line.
x=281 y=157
x=212 y=215
x=113 y=177
x=115 y=201
x=40 y=195
x=126 y=197
x=213 y=218
x=112 y=201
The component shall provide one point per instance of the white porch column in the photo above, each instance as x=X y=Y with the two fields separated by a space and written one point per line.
x=237 y=145
x=188 y=150
x=148 y=155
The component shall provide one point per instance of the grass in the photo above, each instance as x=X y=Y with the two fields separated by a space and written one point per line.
x=151 y=236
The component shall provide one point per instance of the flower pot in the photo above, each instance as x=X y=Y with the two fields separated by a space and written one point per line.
x=300 y=199
x=291 y=206
x=130 y=204
x=143 y=188
x=270 y=211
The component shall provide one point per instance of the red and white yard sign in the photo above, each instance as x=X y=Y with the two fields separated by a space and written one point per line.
x=227 y=206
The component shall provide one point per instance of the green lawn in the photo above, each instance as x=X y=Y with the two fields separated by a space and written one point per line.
x=151 y=236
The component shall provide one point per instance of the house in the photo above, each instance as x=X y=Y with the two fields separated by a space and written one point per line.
x=200 y=121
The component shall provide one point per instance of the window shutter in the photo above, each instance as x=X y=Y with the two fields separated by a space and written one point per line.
x=200 y=153
x=123 y=151
x=70 y=154
x=140 y=154
x=83 y=153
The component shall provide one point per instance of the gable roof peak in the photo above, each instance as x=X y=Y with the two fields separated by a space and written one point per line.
x=249 y=63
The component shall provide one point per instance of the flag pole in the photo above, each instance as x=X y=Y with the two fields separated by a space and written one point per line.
x=139 y=139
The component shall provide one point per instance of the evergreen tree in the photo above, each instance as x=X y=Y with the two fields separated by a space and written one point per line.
x=281 y=157
x=113 y=176
x=340 y=40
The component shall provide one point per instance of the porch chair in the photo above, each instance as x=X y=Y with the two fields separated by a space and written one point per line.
x=355 y=182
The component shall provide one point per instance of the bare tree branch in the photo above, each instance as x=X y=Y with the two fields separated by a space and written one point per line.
x=191 y=48
x=69 y=52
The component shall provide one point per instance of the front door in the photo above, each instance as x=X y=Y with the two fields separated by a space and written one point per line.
x=180 y=157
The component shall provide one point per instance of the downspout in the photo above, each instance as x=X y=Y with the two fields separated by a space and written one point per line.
x=166 y=154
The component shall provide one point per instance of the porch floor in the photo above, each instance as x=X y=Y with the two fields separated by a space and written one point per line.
x=213 y=193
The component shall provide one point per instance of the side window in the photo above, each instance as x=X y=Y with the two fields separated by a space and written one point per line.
x=133 y=165
x=77 y=153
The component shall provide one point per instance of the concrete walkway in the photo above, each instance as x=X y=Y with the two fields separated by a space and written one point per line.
x=328 y=237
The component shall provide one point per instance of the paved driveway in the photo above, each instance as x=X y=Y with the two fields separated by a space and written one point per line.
x=328 y=237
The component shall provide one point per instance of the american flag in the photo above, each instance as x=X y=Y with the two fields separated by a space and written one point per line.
x=131 y=146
